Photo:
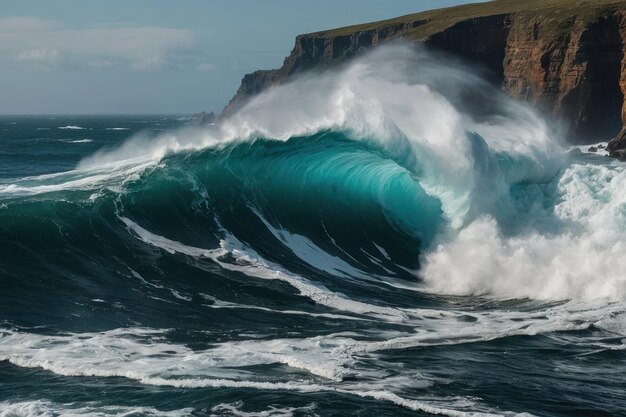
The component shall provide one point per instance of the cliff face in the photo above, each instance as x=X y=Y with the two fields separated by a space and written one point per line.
x=573 y=74
x=565 y=57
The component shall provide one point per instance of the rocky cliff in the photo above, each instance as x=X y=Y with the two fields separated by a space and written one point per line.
x=566 y=57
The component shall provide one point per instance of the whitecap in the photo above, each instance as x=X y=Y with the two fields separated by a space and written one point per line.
x=86 y=140
x=143 y=355
x=235 y=409
x=46 y=408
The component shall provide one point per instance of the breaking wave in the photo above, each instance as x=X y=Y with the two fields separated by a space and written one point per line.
x=366 y=202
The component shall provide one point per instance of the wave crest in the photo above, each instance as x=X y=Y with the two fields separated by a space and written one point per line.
x=436 y=154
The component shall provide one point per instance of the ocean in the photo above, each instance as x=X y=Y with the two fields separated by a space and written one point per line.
x=355 y=243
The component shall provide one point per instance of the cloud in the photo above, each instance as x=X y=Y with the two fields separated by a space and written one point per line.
x=206 y=66
x=45 y=41
x=46 y=55
x=148 y=62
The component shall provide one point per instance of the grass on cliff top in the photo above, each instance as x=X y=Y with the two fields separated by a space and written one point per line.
x=440 y=19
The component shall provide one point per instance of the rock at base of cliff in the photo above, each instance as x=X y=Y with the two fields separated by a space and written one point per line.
x=203 y=118
x=617 y=146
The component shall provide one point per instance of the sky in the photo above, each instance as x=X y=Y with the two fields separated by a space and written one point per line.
x=157 y=56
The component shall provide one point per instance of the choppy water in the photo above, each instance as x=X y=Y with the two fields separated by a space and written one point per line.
x=358 y=243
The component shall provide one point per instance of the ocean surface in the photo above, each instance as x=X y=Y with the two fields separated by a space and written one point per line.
x=357 y=243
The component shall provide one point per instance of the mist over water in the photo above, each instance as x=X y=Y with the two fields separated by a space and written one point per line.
x=366 y=238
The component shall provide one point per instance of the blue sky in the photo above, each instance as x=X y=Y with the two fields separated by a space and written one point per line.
x=154 y=56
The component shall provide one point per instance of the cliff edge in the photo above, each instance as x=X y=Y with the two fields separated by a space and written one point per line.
x=566 y=57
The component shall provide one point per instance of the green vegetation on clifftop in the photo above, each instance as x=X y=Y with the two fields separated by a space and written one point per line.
x=434 y=21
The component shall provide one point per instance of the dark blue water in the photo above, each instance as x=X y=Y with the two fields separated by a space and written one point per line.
x=278 y=278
